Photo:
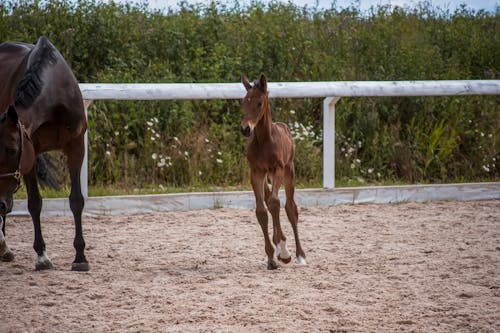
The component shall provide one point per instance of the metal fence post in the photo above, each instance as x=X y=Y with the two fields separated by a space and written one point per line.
x=329 y=141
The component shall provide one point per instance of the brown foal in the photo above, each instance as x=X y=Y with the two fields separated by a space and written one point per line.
x=270 y=153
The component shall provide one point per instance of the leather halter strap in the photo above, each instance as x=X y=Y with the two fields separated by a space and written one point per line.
x=17 y=174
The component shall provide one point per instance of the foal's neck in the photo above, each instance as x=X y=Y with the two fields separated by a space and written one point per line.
x=263 y=128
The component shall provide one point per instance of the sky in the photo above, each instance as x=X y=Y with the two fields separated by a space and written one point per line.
x=489 y=5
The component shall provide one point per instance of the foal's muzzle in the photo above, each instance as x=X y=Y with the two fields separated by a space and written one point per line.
x=245 y=131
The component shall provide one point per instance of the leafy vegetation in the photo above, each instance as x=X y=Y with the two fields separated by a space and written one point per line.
x=196 y=144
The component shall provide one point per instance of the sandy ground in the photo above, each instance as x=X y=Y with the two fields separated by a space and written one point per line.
x=431 y=267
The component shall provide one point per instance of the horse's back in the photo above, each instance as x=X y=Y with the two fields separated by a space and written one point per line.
x=48 y=93
x=12 y=67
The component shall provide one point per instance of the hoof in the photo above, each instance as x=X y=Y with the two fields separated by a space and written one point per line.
x=271 y=264
x=301 y=260
x=43 y=265
x=7 y=256
x=43 y=262
x=285 y=260
x=80 y=267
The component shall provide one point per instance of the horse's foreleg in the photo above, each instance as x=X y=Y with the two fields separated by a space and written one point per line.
x=75 y=152
x=5 y=253
x=292 y=212
x=257 y=180
x=274 y=206
x=35 y=207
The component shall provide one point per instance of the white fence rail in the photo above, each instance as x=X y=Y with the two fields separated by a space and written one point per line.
x=332 y=91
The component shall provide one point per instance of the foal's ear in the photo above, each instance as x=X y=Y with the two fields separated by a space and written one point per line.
x=263 y=83
x=245 y=82
x=12 y=114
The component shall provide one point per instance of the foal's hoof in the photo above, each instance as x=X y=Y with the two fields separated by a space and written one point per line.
x=271 y=264
x=80 y=266
x=7 y=256
x=301 y=260
x=285 y=260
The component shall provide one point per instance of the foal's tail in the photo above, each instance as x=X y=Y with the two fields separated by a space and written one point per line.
x=46 y=172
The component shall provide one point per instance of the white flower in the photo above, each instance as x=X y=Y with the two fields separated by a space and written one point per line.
x=352 y=166
x=186 y=153
x=370 y=170
x=117 y=133
x=153 y=138
x=358 y=161
x=207 y=141
x=149 y=123
x=219 y=153
x=485 y=168
x=219 y=161
x=292 y=111
x=176 y=138
x=200 y=173
x=154 y=156
x=155 y=120
x=108 y=153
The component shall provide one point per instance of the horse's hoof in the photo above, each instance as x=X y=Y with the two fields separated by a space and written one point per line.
x=301 y=260
x=43 y=262
x=271 y=264
x=285 y=260
x=7 y=256
x=80 y=267
x=43 y=265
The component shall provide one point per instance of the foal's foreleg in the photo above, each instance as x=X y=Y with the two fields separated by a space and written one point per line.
x=75 y=152
x=257 y=179
x=274 y=206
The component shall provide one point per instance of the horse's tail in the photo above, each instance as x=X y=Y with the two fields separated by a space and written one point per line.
x=47 y=172
x=30 y=86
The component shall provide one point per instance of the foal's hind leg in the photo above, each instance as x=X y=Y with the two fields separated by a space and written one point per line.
x=291 y=210
x=35 y=207
x=75 y=152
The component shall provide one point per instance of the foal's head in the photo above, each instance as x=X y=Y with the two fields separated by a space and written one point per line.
x=255 y=104
x=11 y=158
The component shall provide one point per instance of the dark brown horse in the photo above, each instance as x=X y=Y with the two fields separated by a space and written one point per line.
x=41 y=109
x=270 y=153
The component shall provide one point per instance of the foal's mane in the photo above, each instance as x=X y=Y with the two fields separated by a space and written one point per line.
x=30 y=86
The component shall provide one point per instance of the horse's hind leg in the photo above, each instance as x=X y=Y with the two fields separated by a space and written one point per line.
x=35 y=207
x=291 y=210
x=75 y=152
x=5 y=253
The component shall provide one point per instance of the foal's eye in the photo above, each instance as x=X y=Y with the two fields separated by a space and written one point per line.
x=259 y=104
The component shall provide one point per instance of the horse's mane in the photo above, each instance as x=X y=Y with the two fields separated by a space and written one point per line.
x=30 y=86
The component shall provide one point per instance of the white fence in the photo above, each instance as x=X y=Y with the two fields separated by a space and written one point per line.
x=331 y=91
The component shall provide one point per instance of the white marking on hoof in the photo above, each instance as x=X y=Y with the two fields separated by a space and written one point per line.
x=43 y=262
x=283 y=253
x=301 y=260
